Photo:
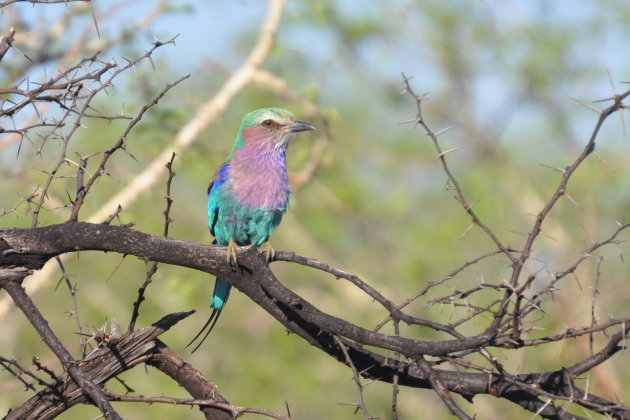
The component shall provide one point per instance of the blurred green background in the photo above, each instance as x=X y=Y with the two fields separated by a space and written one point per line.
x=503 y=72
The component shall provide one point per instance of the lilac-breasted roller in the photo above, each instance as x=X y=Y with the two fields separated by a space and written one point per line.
x=250 y=192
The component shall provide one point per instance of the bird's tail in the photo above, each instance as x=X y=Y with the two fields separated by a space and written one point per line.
x=220 y=295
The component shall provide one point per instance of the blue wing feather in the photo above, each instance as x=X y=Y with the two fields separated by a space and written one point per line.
x=220 y=177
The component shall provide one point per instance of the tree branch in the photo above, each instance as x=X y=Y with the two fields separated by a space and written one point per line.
x=10 y=280
x=118 y=356
x=31 y=248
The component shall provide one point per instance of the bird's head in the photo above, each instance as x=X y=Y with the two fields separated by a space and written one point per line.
x=269 y=127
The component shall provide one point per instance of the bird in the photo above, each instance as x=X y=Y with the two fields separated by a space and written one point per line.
x=249 y=193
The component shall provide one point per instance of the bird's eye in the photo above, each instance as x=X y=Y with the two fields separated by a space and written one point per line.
x=267 y=123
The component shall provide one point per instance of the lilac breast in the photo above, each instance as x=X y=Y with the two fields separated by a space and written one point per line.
x=258 y=177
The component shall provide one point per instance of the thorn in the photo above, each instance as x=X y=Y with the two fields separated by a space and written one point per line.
x=612 y=83
x=591 y=107
x=466 y=231
x=151 y=61
x=573 y=201
x=617 y=99
x=611 y=98
x=441 y=155
x=553 y=168
x=548 y=236
x=411 y=120
x=444 y=130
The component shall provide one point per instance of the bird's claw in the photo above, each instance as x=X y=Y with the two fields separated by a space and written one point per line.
x=231 y=253
x=270 y=253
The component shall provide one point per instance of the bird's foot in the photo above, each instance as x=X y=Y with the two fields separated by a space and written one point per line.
x=230 y=255
x=270 y=253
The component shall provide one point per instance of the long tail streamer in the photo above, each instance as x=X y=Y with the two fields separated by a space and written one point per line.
x=214 y=317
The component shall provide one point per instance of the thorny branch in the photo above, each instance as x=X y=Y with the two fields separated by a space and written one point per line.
x=36 y=45
x=120 y=145
x=10 y=280
x=33 y=247
x=357 y=379
x=235 y=411
x=153 y=268
x=419 y=119
x=117 y=355
x=508 y=312
x=73 y=91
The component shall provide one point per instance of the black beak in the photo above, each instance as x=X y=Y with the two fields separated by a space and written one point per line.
x=298 y=126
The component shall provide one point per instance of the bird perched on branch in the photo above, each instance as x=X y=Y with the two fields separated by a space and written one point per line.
x=250 y=192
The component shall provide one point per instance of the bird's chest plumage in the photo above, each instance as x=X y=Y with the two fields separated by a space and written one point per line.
x=259 y=180
x=252 y=201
